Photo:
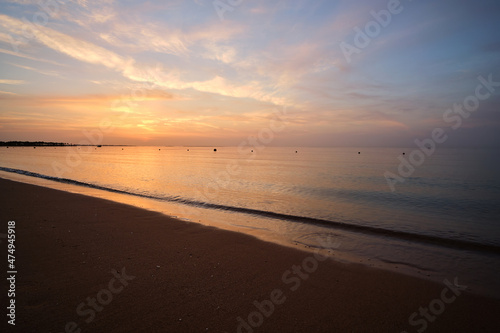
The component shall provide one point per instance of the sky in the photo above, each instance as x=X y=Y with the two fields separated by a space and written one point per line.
x=286 y=73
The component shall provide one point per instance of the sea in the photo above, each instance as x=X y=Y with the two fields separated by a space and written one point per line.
x=427 y=212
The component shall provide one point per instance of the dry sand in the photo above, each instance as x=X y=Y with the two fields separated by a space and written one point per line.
x=184 y=277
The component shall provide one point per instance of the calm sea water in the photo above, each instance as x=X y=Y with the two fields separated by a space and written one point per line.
x=442 y=221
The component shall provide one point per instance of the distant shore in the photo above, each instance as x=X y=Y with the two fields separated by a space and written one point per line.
x=99 y=266
x=49 y=144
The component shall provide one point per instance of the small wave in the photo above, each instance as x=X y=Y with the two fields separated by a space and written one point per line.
x=435 y=240
x=387 y=261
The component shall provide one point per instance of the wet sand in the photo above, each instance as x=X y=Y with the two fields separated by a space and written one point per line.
x=91 y=265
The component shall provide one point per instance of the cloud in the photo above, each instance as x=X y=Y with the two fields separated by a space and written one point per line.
x=146 y=37
x=147 y=95
x=73 y=47
x=94 y=54
x=222 y=53
x=13 y=82
x=23 y=2
x=41 y=71
x=7 y=38
x=7 y=93
x=25 y=56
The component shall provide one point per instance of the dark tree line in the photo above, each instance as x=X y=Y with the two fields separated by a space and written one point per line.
x=32 y=143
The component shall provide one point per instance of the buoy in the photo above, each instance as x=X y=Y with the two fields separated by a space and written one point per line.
x=215 y=149
x=404 y=153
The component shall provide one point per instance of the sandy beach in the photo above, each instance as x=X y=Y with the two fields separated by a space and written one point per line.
x=91 y=265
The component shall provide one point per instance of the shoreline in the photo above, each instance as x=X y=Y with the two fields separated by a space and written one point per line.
x=189 y=277
x=478 y=272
